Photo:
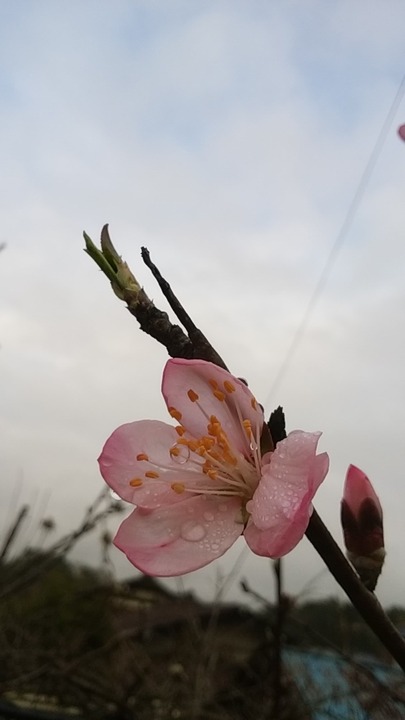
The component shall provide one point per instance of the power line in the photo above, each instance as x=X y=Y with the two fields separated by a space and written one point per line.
x=341 y=236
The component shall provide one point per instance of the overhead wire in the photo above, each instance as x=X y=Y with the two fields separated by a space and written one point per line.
x=340 y=238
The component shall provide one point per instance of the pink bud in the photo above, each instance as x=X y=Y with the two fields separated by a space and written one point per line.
x=362 y=523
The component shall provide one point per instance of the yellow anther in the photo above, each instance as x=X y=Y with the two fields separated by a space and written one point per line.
x=253 y=403
x=174 y=451
x=208 y=442
x=212 y=474
x=151 y=474
x=229 y=387
x=180 y=430
x=219 y=395
x=248 y=427
x=214 y=428
x=178 y=488
x=136 y=482
x=213 y=384
x=192 y=395
x=222 y=440
x=176 y=414
x=142 y=456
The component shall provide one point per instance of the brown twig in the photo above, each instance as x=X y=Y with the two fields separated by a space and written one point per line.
x=202 y=349
x=364 y=601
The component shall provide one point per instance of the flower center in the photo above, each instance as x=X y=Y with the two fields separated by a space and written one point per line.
x=227 y=471
x=220 y=468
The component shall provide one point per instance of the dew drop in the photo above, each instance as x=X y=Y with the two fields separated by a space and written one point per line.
x=183 y=456
x=208 y=516
x=192 y=532
x=223 y=507
x=214 y=547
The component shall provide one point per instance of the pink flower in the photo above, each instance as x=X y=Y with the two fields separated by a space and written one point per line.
x=362 y=523
x=200 y=485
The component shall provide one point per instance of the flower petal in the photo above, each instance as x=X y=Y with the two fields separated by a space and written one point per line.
x=204 y=379
x=152 y=439
x=281 y=506
x=180 y=538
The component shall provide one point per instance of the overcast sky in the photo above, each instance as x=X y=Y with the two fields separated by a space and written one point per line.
x=228 y=137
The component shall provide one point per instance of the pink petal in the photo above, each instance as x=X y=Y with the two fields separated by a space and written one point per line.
x=119 y=465
x=281 y=506
x=180 y=538
x=358 y=488
x=180 y=376
x=280 y=539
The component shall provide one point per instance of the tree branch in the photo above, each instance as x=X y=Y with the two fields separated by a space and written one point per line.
x=363 y=600
x=157 y=324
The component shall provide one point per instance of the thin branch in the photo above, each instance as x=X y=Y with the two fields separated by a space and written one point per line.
x=363 y=600
x=13 y=532
x=29 y=572
x=203 y=349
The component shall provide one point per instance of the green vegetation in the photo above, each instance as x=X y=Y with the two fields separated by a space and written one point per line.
x=71 y=635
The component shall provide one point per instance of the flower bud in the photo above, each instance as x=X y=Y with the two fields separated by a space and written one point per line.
x=123 y=282
x=362 y=523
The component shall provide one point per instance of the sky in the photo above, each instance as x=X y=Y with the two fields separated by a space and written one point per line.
x=230 y=139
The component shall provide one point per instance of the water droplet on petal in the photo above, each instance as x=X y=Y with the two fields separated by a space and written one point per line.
x=183 y=455
x=208 y=516
x=192 y=532
x=214 y=547
x=223 y=507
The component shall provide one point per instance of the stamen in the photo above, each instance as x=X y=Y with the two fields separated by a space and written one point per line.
x=248 y=428
x=219 y=395
x=151 y=474
x=229 y=387
x=191 y=444
x=178 y=488
x=214 y=426
x=180 y=430
x=142 y=456
x=213 y=384
x=176 y=414
x=208 y=470
x=192 y=395
x=253 y=403
x=136 y=482
x=180 y=452
x=207 y=441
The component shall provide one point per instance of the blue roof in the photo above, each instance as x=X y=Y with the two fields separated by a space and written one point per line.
x=337 y=688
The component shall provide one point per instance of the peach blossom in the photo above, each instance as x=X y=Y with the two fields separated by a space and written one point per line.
x=201 y=484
